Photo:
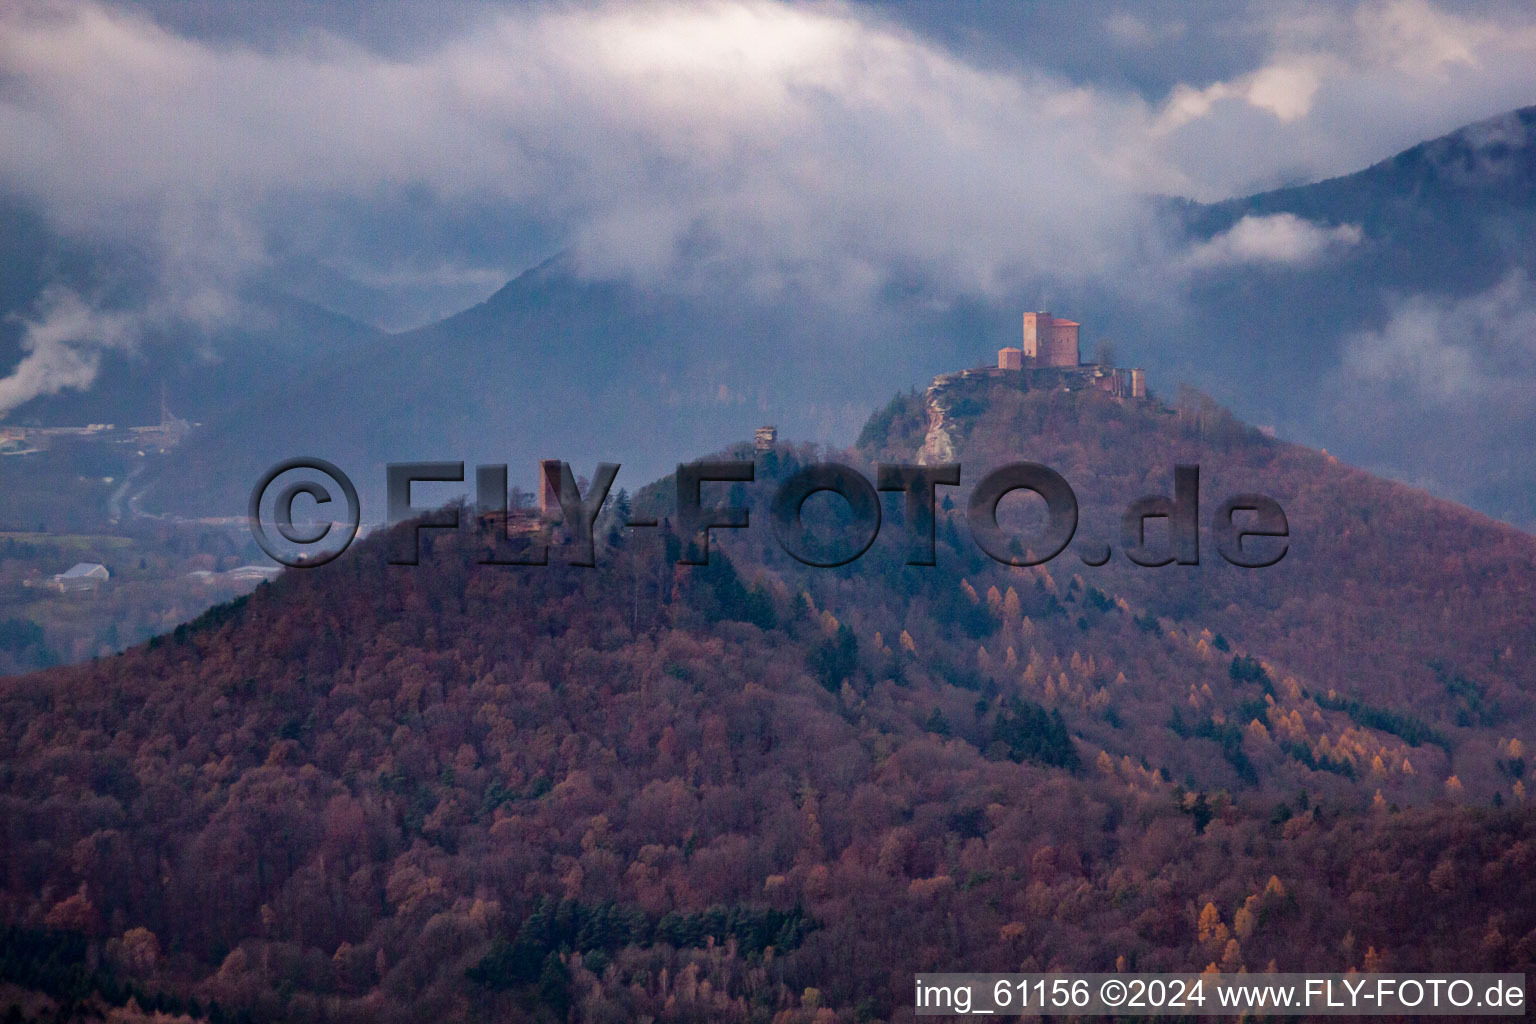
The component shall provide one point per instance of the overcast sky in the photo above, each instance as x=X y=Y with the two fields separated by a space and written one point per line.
x=438 y=150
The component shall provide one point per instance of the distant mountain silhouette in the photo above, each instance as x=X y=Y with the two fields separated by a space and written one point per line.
x=1449 y=221
x=561 y=364
x=557 y=365
x=1423 y=195
x=204 y=371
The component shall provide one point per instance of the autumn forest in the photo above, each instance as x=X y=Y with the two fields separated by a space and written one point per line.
x=759 y=791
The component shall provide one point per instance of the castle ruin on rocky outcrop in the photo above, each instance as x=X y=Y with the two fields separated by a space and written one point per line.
x=1051 y=343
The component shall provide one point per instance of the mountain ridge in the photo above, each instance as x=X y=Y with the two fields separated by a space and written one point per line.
x=1272 y=340
x=1497 y=148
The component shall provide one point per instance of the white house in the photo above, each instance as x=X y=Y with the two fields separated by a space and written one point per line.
x=246 y=573
x=82 y=576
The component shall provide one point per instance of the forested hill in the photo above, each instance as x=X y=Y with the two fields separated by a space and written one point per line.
x=762 y=791
x=1385 y=595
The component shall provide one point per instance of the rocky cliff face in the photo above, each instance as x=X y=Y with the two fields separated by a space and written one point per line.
x=938 y=445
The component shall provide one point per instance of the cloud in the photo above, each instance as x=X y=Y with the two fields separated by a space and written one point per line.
x=1128 y=30
x=779 y=137
x=1416 y=37
x=1284 y=90
x=1439 y=396
x=1461 y=353
x=763 y=146
x=1341 y=87
x=782 y=137
x=65 y=334
x=1277 y=239
x=62 y=346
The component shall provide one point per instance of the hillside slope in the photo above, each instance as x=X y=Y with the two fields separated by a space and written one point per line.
x=1407 y=351
x=761 y=791
x=1452 y=213
x=560 y=365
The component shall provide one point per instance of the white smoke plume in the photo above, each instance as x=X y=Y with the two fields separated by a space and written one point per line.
x=63 y=342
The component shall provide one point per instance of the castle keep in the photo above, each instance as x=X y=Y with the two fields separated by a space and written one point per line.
x=1050 y=343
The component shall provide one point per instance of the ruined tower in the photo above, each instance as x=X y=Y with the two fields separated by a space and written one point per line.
x=1049 y=341
x=1037 y=335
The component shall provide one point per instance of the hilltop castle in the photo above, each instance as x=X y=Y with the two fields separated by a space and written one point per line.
x=1048 y=341
x=1051 y=343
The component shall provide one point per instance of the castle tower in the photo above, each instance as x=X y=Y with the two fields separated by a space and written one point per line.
x=1037 y=336
x=1062 y=350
